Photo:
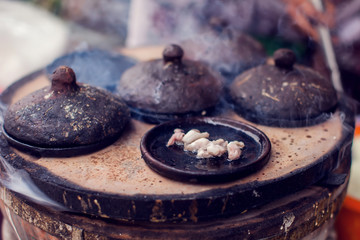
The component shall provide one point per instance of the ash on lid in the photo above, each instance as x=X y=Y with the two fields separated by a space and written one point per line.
x=66 y=115
x=284 y=94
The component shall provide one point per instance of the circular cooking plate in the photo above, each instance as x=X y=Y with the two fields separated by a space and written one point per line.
x=175 y=163
x=141 y=195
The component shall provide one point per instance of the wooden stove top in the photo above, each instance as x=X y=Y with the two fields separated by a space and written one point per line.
x=117 y=175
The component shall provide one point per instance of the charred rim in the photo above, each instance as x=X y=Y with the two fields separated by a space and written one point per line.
x=177 y=164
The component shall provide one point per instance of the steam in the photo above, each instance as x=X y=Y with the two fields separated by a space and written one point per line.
x=19 y=181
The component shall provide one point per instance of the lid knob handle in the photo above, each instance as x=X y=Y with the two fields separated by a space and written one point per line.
x=173 y=53
x=284 y=58
x=63 y=79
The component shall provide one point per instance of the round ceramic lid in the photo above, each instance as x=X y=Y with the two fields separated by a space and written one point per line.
x=171 y=85
x=66 y=115
x=283 y=93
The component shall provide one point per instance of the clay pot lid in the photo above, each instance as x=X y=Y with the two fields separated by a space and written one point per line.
x=65 y=118
x=169 y=88
x=175 y=163
x=283 y=93
x=225 y=50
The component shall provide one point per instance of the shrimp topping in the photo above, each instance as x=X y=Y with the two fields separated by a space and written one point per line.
x=234 y=149
x=176 y=138
x=193 y=135
x=198 y=142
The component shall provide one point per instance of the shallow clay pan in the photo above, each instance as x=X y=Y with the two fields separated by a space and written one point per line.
x=175 y=163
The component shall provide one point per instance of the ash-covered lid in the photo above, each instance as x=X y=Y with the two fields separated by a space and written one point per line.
x=283 y=93
x=66 y=115
x=171 y=85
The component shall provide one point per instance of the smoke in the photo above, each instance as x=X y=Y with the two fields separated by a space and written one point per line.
x=19 y=181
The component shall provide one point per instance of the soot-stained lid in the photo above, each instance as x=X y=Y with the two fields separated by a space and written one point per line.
x=65 y=116
x=170 y=87
x=283 y=93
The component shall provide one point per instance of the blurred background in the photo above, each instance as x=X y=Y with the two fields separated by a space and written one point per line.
x=35 y=32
